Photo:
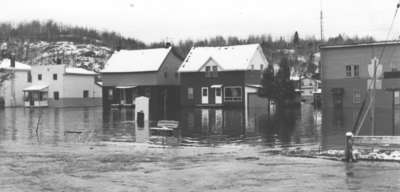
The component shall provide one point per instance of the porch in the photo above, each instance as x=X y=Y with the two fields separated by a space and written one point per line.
x=36 y=96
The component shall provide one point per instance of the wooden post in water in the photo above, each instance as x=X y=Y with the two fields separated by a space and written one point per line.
x=349 y=147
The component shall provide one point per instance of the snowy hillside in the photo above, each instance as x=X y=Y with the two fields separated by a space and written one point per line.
x=87 y=56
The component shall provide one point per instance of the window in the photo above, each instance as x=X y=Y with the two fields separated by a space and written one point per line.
x=356 y=96
x=85 y=94
x=348 y=70
x=165 y=74
x=190 y=92
x=252 y=67
x=261 y=66
x=55 y=76
x=233 y=94
x=218 y=92
x=39 y=77
x=205 y=92
x=29 y=77
x=215 y=71
x=356 y=69
x=208 y=71
x=56 y=95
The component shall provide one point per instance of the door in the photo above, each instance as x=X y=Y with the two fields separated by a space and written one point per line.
x=218 y=95
x=204 y=95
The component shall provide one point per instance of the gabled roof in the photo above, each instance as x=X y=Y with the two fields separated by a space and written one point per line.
x=78 y=71
x=6 y=64
x=143 y=60
x=230 y=58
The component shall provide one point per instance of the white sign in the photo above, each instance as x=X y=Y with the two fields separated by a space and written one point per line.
x=371 y=68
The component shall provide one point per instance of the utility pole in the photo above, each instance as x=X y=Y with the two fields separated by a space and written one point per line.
x=321 y=22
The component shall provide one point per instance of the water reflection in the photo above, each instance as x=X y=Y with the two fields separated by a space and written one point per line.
x=203 y=125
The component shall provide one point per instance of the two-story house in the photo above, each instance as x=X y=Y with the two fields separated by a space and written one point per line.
x=221 y=76
x=62 y=86
x=147 y=72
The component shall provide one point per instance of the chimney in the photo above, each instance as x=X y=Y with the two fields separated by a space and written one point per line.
x=12 y=60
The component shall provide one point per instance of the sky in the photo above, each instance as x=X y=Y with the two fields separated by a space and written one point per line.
x=174 y=20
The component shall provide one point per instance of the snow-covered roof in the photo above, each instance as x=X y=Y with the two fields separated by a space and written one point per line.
x=78 y=71
x=230 y=58
x=6 y=64
x=38 y=87
x=136 y=60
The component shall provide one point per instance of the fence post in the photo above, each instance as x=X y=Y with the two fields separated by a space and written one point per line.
x=349 y=147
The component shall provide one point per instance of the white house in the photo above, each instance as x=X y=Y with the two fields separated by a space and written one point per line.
x=62 y=86
x=11 y=92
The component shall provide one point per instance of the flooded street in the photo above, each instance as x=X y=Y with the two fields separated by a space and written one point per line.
x=85 y=149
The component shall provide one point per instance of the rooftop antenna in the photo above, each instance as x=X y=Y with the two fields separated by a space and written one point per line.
x=321 y=21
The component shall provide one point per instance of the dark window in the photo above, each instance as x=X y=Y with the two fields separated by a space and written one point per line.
x=29 y=77
x=165 y=74
x=54 y=76
x=348 y=70
x=356 y=70
x=208 y=68
x=39 y=77
x=218 y=92
x=215 y=71
x=233 y=94
x=56 y=95
x=205 y=92
x=85 y=94
x=261 y=66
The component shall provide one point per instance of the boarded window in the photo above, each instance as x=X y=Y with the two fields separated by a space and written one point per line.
x=233 y=94
x=190 y=92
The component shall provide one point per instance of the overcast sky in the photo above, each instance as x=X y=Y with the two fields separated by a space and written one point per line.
x=155 y=20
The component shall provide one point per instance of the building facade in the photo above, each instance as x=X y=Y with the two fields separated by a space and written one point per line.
x=11 y=91
x=347 y=80
x=220 y=76
x=148 y=72
x=62 y=86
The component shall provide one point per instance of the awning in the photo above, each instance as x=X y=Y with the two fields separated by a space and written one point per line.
x=216 y=86
x=42 y=88
x=254 y=85
x=125 y=87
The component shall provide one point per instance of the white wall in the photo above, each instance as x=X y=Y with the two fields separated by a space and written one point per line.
x=258 y=60
x=74 y=85
x=47 y=72
x=20 y=83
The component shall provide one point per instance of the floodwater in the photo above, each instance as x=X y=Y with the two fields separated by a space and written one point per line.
x=240 y=162
x=198 y=125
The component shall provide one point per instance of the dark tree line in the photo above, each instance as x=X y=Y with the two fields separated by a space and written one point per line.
x=51 y=31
